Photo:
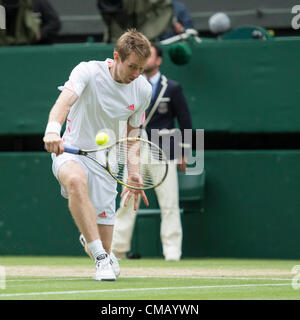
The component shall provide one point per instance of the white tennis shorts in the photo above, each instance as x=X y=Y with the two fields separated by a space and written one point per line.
x=101 y=186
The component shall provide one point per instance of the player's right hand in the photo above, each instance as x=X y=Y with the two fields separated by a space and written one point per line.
x=54 y=143
x=136 y=180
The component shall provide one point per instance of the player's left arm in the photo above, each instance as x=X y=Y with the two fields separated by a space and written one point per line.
x=53 y=141
x=133 y=172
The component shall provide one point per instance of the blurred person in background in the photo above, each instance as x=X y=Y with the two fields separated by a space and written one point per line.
x=29 y=22
x=152 y=18
x=50 y=22
x=182 y=20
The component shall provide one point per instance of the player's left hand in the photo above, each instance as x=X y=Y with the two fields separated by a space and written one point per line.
x=134 y=179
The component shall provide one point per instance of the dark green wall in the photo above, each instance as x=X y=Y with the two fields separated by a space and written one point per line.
x=29 y=80
x=34 y=218
x=243 y=86
x=234 y=86
x=251 y=209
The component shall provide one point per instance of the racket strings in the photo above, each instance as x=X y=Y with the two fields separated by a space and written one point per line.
x=128 y=160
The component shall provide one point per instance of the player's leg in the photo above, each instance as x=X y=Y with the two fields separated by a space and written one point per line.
x=103 y=193
x=113 y=259
x=85 y=246
x=102 y=196
x=74 y=180
x=171 y=228
x=106 y=234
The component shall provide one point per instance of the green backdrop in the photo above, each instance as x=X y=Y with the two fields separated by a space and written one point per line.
x=234 y=86
x=251 y=209
x=251 y=203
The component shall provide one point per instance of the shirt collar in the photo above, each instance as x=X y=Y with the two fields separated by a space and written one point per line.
x=154 y=79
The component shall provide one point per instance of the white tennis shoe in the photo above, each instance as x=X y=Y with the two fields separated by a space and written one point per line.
x=104 y=270
x=113 y=260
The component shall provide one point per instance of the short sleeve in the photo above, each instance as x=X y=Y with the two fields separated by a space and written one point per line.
x=136 y=118
x=78 y=79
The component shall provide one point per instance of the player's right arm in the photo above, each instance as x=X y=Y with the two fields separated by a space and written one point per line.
x=52 y=139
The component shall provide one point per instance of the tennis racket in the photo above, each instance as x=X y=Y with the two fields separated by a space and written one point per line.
x=128 y=157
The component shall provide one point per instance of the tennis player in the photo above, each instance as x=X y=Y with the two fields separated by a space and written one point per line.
x=98 y=95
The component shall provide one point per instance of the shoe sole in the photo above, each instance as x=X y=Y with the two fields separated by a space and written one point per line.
x=108 y=280
x=105 y=279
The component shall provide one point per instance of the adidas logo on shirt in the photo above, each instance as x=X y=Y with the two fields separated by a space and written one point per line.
x=131 y=107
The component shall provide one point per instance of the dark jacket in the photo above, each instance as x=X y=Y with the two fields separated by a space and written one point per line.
x=168 y=104
x=50 y=22
x=182 y=15
x=22 y=27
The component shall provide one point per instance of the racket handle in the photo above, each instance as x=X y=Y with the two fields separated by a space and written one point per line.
x=71 y=150
x=68 y=149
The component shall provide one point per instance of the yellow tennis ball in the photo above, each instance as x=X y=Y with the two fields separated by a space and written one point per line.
x=101 y=138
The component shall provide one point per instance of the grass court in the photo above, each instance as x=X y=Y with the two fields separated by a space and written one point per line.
x=71 y=278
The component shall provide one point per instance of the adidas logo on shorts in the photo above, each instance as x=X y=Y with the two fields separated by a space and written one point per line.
x=102 y=214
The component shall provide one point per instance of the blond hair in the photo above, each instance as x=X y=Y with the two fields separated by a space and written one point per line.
x=133 y=41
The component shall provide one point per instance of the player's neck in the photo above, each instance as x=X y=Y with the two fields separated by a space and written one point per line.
x=113 y=72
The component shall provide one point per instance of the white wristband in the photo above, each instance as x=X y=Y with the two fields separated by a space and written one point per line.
x=53 y=127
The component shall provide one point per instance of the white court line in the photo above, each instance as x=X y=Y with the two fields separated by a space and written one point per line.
x=139 y=289
x=48 y=279
x=145 y=277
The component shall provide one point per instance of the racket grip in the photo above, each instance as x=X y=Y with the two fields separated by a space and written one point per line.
x=71 y=150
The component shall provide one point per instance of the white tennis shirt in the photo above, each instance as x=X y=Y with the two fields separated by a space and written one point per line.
x=103 y=104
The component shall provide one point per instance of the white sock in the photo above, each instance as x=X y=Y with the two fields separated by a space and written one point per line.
x=96 y=248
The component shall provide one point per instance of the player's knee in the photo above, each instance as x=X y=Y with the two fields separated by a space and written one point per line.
x=76 y=185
